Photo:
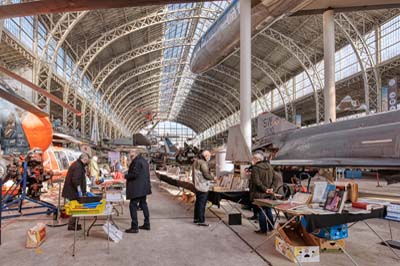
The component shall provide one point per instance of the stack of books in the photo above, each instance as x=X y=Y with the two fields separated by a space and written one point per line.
x=393 y=212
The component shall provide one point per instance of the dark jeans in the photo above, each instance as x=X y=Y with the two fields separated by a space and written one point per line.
x=266 y=226
x=133 y=204
x=256 y=210
x=71 y=222
x=200 y=207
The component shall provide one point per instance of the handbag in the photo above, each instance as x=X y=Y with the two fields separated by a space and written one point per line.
x=200 y=183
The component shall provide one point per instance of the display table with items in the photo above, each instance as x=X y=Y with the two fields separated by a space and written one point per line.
x=93 y=209
x=318 y=221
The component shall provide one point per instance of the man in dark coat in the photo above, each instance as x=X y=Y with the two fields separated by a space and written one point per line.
x=137 y=188
x=201 y=164
x=75 y=183
x=263 y=183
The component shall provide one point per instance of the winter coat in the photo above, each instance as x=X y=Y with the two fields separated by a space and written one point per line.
x=202 y=166
x=94 y=169
x=262 y=178
x=75 y=177
x=138 y=179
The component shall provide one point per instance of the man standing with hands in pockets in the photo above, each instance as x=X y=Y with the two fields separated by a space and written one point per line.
x=137 y=188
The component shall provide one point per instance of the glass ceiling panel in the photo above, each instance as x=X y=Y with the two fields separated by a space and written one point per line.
x=174 y=90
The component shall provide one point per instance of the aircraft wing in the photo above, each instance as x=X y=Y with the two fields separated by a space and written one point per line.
x=9 y=95
x=369 y=163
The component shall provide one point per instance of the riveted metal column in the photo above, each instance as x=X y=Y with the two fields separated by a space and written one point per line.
x=329 y=66
x=245 y=70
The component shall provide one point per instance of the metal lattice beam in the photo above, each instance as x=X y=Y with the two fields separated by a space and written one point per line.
x=365 y=58
x=109 y=37
x=133 y=102
x=308 y=66
x=118 y=61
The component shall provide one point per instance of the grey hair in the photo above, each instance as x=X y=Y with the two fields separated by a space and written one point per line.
x=83 y=156
x=205 y=152
x=258 y=156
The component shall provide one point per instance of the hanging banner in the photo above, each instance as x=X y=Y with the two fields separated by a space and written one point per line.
x=298 y=120
x=385 y=98
x=392 y=94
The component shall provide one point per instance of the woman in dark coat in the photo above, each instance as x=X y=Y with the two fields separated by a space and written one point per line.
x=137 y=188
x=75 y=183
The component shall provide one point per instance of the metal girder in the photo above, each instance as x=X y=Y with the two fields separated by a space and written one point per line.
x=154 y=66
x=133 y=26
x=60 y=6
x=209 y=81
x=199 y=108
x=203 y=103
x=87 y=125
x=236 y=76
x=279 y=84
x=367 y=63
x=109 y=37
x=305 y=61
x=58 y=33
x=135 y=72
x=135 y=121
x=136 y=86
x=118 y=61
x=194 y=88
x=185 y=57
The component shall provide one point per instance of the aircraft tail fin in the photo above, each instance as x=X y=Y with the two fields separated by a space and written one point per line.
x=169 y=146
x=269 y=124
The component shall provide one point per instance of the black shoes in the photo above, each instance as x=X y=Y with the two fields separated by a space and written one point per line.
x=72 y=228
x=145 y=227
x=260 y=232
x=202 y=224
x=132 y=231
x=254 y=217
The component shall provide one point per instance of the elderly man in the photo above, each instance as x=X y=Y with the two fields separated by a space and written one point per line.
x=201 y=165
x=262 y=184
x=75 y=183
x=137 y=188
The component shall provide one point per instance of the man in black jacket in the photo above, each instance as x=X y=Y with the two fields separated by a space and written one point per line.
x=137 y=188
x=75 y=183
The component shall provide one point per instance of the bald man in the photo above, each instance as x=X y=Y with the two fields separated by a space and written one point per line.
x=201 y=165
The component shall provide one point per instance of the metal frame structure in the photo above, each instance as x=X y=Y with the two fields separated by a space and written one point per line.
x=133 y=49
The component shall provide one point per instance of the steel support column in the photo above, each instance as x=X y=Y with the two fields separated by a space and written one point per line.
x=245 y=71
x=329 y=66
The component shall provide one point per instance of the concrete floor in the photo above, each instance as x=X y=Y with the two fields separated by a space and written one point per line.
x=174 y=240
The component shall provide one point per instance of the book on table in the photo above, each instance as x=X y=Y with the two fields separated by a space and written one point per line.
x=335 y=200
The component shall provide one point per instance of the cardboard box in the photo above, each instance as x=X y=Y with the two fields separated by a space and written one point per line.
x=36 y=235
x=294 y=241
x=331 y=245
x=115 y=234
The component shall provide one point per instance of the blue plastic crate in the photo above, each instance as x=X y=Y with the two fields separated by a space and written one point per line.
x=334 y=232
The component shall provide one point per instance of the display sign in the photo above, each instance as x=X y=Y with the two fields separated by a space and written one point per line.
x=392 y=95
x=269 y=124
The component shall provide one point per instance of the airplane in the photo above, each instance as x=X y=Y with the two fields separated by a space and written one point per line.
x=223 y=36
x=370 y=142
